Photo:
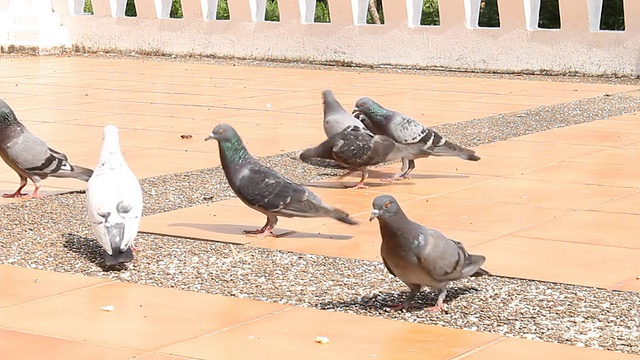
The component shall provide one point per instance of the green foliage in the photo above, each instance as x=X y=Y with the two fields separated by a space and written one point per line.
x=176 y=9
x=430 y=13
x=612 y=15
x=380 y=13
x=322 y=12
x=272 y=13
x=489 y=15
x=130 y=9
x=222 y=12
x=549 y=17
x=88 y=7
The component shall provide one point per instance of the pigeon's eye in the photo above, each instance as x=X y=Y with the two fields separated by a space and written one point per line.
x=387 y=204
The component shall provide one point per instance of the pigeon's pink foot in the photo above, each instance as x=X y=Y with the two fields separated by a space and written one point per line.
x=15 y=195
x=133 y=248
x=437 y=308
x=260 y=233
x=400 y=306
x=395 y=178
x=357 y=186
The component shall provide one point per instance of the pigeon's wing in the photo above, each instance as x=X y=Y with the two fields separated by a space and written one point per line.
x=384 y=149
x=446 y=259
x=114 y=207
x=32 y=155
x=404 y=129
x=352 y=148
x=264 y=188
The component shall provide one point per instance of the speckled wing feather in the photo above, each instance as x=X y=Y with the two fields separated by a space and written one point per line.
x=264 y=189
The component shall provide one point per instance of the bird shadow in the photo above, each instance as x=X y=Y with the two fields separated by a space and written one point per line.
x=90 y=250
x=383 y=300
x=235 y=229
x=375 y=180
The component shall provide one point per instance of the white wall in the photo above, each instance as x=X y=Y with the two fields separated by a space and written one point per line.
x=457 y=43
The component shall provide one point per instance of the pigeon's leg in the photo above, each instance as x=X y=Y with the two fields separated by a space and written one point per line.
x=440 y=303
x=407 y=166
x=360 y=185
x=266 y=229
x=18 y=193
x=34 y=194
x=415 y=289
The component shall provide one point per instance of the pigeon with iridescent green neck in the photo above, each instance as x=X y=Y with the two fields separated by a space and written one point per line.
x=422 y=141
x=263 y=189
x=420 y=256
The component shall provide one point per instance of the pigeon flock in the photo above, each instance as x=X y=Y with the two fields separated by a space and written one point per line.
x=370 y=135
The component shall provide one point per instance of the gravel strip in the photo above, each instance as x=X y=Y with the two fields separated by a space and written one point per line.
x=53 y=234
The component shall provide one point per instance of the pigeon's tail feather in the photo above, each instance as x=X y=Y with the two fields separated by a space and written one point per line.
x=481 y=272
x=450 y=149
x=342 y=216
x=118 y=257
x=473 y=264
x=76 y=172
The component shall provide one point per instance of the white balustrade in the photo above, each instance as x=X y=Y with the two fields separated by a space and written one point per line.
x=457 y=43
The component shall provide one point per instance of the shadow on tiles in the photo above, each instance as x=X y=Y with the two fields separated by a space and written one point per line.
x=89 y=249
x=233 y=229
x=382 y=300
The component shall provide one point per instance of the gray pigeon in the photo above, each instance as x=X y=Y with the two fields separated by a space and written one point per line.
x=422 y=141
x=356 y=148
x=264 y=190
x=420 y=256
x=30 y=157
x=336 y=118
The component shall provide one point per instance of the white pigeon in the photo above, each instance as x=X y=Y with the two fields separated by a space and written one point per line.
x=114 y=201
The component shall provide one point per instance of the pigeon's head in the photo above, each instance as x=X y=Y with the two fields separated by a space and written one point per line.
x=383 y=206
x=222 y=132
x=370 y=109
x=327 y=95
x=110 y=132
x=7 y=116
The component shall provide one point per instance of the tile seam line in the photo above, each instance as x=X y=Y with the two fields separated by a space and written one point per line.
x=479 y=348
x=567 y=241
x=59 y=294
x=230 y=327
x=81 y=341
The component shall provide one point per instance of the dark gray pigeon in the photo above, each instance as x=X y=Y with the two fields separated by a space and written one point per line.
x=264 y=190
x=420 y=256
x=336 y=118
x=30 y=157
x=356 y=148
x=422 y=141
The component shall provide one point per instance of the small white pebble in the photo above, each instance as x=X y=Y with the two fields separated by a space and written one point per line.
x=107 y=308
x=321 y=339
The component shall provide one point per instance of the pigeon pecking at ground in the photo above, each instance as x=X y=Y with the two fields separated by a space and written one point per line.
x=30 y=157
x=357 y=149
x=422 y=141
x=420 y=256
x=263 y=189
x=114 y=201
x=336 y=118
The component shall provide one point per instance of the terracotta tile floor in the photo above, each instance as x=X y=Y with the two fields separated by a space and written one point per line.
x=561 y=197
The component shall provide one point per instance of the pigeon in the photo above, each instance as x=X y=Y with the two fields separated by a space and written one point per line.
x=30 y=157
x=420 y=256
x=114 y=201
x=264 y=190
x=336 y=118
x=356 y=148
x=422 y=141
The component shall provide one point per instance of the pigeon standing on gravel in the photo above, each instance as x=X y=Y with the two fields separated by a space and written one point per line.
x=263 y=189
x=114 y=201
x=356 y=148
x=336 y=118
x=422 y=141
x=420 y=256
x=30 y=157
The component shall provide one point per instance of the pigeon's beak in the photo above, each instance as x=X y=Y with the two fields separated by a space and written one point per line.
x=374 y=214
x=210 y=137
